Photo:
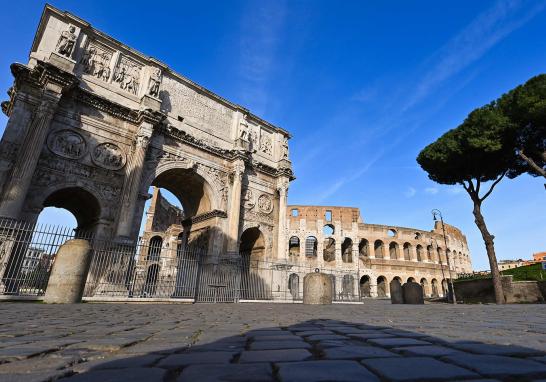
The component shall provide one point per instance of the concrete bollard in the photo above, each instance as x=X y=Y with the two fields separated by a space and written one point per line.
x=317 y=289
x=69 y=273
x=397 y=296
x=413 y=293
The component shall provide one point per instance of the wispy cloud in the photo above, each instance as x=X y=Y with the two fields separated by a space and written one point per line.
x=410 y=192
x=432 y=190
x=261 y=30
x=473 y=41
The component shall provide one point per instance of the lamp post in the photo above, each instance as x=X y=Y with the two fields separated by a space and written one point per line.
x=435 y=214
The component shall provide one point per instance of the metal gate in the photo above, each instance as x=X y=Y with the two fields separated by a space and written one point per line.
x=219 y=282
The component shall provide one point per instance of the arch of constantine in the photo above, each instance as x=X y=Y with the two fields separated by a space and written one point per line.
x=93 y=124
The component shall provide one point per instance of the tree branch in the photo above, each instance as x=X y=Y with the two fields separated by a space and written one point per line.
x=492 y=187
x=532 y=163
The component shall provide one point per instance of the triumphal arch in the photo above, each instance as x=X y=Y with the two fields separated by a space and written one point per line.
x=94 y=123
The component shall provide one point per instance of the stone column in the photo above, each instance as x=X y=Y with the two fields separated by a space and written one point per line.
x=17 y=185
x=282 y=250
x=234 y=213
x=133 y=177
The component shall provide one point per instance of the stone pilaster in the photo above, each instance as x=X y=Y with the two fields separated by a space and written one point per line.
x=282 y=245
x=234 y=214
x=133 y=176
x=17 y=184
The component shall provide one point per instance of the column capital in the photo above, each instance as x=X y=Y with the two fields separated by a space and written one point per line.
x=282 y=185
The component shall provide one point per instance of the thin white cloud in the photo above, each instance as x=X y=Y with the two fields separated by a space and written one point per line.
x=410 y=192
x=474 y=41
x=432 y=190
x=455 y=190
x=261 y=29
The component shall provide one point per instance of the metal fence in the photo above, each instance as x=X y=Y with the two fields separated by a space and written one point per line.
x=147 y=270
x=27 y=252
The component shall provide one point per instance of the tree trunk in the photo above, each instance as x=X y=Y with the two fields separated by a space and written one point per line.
x=490 y=248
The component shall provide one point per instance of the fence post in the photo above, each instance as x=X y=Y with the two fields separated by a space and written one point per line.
x=69 y=273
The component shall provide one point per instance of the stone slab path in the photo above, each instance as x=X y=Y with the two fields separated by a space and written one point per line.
x=374 y=341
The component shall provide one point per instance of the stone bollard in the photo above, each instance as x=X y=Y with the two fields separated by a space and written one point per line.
x=317 y=289
x=413 y=293
x=397 y=297
x=69 y=273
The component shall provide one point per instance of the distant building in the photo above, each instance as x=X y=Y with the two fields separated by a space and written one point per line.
x=32 y=259
x=539 y=257
x=510 y=264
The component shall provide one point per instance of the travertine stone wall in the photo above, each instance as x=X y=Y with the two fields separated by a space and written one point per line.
x=373 y=251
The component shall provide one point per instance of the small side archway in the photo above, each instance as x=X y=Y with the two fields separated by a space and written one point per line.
x=365 y=286
x=382 y=287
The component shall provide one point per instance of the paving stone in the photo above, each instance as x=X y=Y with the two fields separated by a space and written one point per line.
x=416 y=369
x=430 y=351
x=282 y=337
x=24 y=351
x=357 y=331
x=357 y=352
x=404 y=333
x=369 y=336
x=179 y=360
x=251 y=372
x=313 y=332
x=490 y=349
x=539 y=359
x=397 y=342
x=311 y=371
x=499 y=366
x=271 y=345
x=321 y=337
x=133 y=375
x=121 y=362
x=333 y=343
x=284 y=355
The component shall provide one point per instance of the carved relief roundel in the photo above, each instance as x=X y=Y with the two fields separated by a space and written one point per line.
x=67 y=144
x=109 y=156
x=265 y=204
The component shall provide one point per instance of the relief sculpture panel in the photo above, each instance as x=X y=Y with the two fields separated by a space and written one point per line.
x=67 y=144
x=109 y=156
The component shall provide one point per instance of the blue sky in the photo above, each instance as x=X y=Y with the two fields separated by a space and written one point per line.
x=362 y=86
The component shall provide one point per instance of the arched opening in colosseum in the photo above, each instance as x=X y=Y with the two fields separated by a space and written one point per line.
x=329 y=250
x=364 y=248
x=440 y=255
x=411 y=280
x=328 y=230
x=378 y=249
x=365 y=286
x=347 y=287
x=418 y=235
x=407 y=251
x=424 y=285
x=334 y=286
x=430 y=256
x=435 y=290
x=419 y=252
x=448 y=253
x=347 y=250
x=150 y=285
x=154 y=249
x=294 y=246
x=444 y=287
x=294 y=286
x=311 y=246
x=382 y=286
x=391 y=232
x=393 y=250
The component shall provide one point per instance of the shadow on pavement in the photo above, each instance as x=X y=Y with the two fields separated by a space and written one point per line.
x=319 y=350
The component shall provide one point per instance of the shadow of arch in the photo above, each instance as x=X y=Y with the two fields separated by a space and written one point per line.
x=464 y=358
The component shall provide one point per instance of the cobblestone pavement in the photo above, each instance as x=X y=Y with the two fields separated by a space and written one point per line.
x=374 y=341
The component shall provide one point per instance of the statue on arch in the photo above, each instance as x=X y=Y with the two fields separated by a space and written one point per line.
x=66 y=42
